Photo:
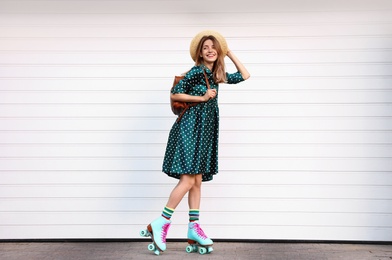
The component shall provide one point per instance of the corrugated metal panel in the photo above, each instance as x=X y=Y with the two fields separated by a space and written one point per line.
x=305 y=147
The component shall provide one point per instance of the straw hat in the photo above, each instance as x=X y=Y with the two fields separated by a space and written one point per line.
x=197 y=38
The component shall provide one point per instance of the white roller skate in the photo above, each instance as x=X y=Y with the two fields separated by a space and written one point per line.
x=198 y=240
x=157 y=230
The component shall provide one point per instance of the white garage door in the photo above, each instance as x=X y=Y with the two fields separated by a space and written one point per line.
x=305 y=145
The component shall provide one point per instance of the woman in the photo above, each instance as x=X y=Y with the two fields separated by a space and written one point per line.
x=192 y=150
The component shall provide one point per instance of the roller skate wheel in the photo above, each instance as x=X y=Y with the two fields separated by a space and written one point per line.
x=189 y=249
x=202 y=250
x=210 y=249
x=143 y=233
x=151 y=247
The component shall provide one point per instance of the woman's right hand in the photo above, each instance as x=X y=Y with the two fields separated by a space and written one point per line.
x=210 y=94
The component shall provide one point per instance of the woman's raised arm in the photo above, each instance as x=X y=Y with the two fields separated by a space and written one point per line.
x=238 y=64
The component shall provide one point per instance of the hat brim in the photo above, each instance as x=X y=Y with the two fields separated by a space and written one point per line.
x=197 y=38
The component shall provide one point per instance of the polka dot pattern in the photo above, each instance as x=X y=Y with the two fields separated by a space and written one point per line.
x=192 y=146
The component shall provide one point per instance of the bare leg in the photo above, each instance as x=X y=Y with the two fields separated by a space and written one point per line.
x=185 y=184
x=195 y=193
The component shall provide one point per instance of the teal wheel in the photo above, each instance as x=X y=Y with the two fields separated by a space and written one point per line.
x=202 y=250
x=151 y=247
x=189 y=249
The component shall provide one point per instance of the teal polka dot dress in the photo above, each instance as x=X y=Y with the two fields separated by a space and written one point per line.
x=192 y=146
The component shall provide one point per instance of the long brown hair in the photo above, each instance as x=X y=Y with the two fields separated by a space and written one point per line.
x=218 y=70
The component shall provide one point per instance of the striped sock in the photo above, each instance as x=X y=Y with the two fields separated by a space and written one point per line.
x=194 y=215
x=167 y=212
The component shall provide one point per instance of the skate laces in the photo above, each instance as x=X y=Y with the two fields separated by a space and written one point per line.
x=199 y=231
x=165 y=228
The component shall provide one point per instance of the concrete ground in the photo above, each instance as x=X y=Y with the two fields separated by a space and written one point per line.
x=176 y=250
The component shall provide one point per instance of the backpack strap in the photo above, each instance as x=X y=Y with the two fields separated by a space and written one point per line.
x=205 y=76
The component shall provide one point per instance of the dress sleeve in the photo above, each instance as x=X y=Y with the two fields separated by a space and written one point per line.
x=190 y=79
x=234 y=78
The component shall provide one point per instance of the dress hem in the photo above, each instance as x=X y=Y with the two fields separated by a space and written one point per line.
x=209 y=176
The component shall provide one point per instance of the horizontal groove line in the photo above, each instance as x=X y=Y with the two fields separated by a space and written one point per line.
x=226 y=130
x=351 y=10
x=225 y=90
x=250 y=198
x=74 y=185
x=220 y=104
x=8 y=65
x=171 y=117
x=258 y=78
x=220 y=198
x=81 y=185
x=161 y=157
x=244 y=170
x=230 y=130
x=266 y=77
x=228 y=103
x=322 y=36
x=182 y=211
x=182 y=51
x=222 y=131
x=215 y=225
x=166 y=91
x=164 y=143
x=130 y=25
x=223 y=144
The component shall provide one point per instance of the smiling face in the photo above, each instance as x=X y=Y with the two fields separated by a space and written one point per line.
x=209 y=52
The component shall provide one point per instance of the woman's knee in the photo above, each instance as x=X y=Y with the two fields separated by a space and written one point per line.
x=188 y=179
